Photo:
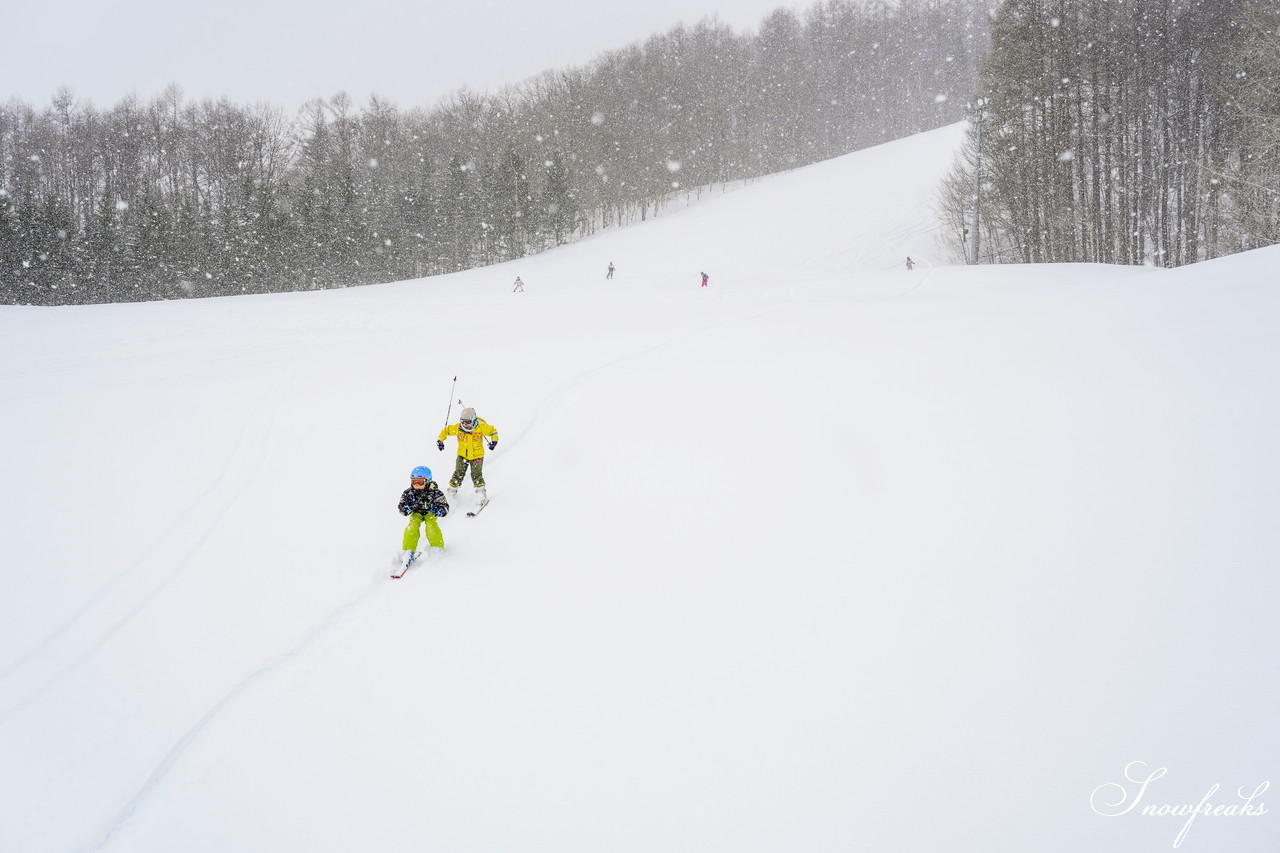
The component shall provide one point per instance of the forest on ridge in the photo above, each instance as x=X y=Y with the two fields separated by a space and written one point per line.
x=1109 y=131
x=167 y=198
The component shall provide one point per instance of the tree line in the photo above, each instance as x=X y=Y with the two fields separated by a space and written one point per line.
x=1116 y=131
x=170 y=198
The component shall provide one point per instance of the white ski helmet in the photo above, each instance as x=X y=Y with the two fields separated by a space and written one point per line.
x=468 y=420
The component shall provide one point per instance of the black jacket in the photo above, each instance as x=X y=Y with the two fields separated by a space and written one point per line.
x=429 y=500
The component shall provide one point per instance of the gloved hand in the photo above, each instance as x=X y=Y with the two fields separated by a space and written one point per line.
x=439 y=445
x=493 y=444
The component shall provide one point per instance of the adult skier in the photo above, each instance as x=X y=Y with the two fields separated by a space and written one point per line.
x=705 y=278
x=423 y=502
x=471 y=432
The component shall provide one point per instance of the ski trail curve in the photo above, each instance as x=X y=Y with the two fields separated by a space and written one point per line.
x=248 y=458
x=550 y=399
x=165 y=766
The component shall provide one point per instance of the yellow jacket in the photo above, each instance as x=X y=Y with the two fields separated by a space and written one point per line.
x=471 y=444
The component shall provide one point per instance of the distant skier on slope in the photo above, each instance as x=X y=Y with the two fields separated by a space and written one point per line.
x=705 y=277
x=519 y=285
x=423 y=502
x=610 y=273
x=910 y=263
x=471 y=432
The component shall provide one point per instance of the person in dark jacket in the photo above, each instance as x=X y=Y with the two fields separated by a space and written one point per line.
x=423 y=502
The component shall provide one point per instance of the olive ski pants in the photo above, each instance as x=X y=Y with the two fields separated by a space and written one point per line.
x=460 y=472
x=434 y=537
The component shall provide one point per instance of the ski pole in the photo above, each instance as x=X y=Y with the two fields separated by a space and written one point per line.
x=449 y=413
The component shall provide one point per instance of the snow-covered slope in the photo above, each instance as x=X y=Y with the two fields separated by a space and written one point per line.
x=828 y=555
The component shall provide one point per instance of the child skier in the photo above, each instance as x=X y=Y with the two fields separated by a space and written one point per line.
x=423 y=502
x=705 y=277
x=471 y=432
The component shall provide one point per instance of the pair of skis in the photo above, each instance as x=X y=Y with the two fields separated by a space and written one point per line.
x=479 y=509
x=399 y=571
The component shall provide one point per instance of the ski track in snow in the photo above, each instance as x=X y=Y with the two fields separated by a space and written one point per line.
x=236 y=476
x=156 y=778
x=550 y=402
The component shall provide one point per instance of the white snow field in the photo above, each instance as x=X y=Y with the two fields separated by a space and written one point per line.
x=827 y=556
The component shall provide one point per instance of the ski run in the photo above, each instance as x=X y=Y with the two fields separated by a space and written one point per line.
x=828 y=555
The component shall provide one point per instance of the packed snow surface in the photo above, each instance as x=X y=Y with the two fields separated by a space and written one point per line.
x=826 y=556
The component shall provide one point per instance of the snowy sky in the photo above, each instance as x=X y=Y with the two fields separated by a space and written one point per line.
x=288 y=51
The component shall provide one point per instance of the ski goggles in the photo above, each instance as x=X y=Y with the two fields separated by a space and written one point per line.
x=418 y=482
x=468 y=424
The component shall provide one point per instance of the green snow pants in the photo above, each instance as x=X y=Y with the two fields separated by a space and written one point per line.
x=460 y=471
x=434 y=537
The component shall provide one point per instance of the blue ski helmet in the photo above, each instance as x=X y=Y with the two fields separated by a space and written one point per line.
x=421 y=471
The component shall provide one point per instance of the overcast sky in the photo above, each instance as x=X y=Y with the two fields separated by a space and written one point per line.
x=412 y=52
